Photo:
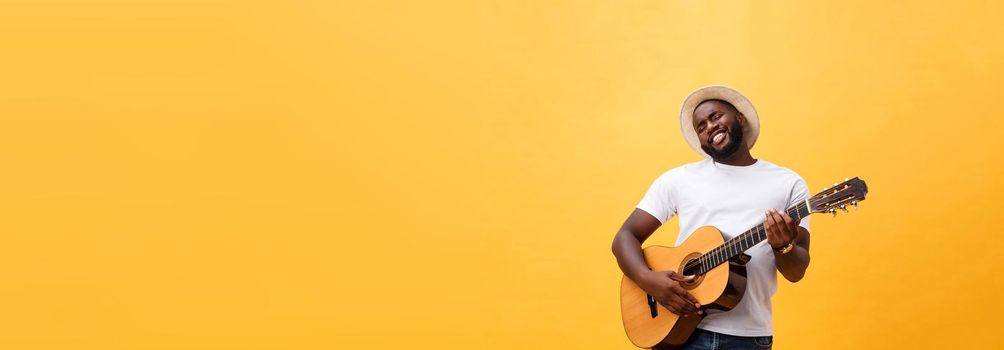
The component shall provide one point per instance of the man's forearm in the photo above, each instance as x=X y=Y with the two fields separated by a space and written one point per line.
x=629 y=255
x=793 y=264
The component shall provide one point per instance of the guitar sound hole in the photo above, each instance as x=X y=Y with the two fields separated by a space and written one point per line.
x=690 y=266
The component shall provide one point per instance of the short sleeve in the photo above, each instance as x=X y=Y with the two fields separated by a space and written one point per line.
x=799 y=193
x=658 y=201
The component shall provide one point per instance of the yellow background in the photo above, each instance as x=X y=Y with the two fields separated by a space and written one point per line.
x=363 y=174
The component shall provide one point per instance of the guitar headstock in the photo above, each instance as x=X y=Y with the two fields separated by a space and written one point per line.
x=849 y=192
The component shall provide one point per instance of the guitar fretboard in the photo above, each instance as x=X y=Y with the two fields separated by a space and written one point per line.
x=739 y=244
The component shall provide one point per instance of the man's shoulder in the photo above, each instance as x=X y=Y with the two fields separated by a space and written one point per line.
x=788 y=177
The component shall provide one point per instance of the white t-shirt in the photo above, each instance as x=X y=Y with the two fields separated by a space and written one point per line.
x=732 y=199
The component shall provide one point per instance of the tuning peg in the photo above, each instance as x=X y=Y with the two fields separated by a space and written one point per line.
x=855 y=204
x=834 y=212
x=843 y=207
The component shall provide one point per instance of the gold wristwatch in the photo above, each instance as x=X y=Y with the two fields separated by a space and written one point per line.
x=785 y=249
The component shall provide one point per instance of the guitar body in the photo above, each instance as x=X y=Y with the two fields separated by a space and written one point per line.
x=721 y=288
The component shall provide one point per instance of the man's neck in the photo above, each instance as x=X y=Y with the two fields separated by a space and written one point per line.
x=741 y=157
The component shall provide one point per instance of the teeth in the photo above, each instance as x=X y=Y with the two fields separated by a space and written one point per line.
x=718 y=137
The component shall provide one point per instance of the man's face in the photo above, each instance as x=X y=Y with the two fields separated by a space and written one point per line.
x=719 y=127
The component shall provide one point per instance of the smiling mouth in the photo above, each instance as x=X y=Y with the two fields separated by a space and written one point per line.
x=718 y=137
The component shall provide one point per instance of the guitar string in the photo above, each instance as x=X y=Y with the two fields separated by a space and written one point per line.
x=733 y=246
x=736 y=242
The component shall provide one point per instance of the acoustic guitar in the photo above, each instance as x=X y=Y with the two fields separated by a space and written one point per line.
x=719 y=267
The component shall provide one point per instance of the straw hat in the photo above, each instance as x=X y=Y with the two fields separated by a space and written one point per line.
x=751 y=129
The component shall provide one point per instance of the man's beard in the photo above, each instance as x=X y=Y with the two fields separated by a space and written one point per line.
x=735 y=139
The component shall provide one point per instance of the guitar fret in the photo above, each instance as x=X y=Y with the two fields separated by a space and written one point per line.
x=740 y=244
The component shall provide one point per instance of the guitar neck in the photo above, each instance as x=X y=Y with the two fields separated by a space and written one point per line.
x=739 y=244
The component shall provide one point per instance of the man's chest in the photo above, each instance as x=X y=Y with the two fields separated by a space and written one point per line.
x=731 y=204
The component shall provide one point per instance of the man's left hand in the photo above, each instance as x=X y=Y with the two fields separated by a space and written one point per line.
x=781 y=228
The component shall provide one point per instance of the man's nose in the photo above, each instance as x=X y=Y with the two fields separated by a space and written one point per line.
x=710 y=128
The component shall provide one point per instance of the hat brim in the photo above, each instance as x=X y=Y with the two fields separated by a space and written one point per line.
x=751 y=129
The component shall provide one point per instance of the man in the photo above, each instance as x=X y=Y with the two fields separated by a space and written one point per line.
x=732 y=191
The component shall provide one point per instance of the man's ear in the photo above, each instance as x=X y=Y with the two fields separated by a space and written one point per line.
x=741 y=118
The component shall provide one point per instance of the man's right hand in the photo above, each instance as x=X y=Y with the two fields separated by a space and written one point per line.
x=665 y=287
